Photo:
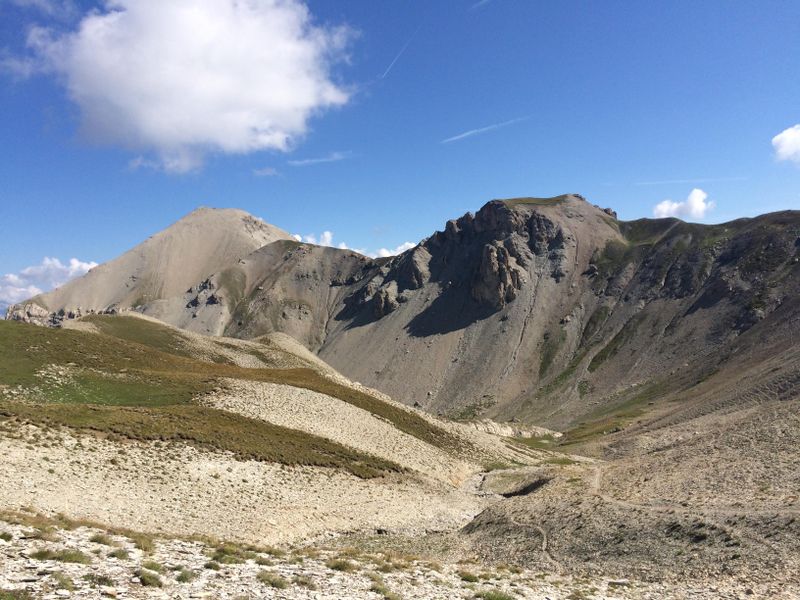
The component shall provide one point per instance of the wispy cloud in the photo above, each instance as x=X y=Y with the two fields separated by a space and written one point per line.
x=481 y=130
x=700 y=180
x=266 y=172
x=479 y=4
x=332 y=157
x=402 y=51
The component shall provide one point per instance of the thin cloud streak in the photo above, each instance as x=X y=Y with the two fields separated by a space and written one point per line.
x=704 y=180
x=332 y=157
x=402 y=51
x=481 y=130
x=479 y=4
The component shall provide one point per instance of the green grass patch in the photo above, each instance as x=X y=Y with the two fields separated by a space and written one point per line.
x=594 y=323
x=146 y=368
x=544 y=442
x=272 y=580
x=550 y=346
x=468 y=576
x=184 y=576
x=67 y=556
x=535 y=201
x=142 y=331
x=560 y=460
x=341 y=564
x=616 y=416
x=152 y=565
x=102 y=538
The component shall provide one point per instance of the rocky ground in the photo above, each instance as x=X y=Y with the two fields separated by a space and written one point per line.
x=52 y=558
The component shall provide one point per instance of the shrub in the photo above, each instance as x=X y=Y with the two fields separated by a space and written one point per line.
x=6 y=536
x=62 y=581
x=148 y=578
x=467 y=576
x=305 y=581
x=185 y=576
x=494 y=595
x=212 y=565
x=102 y=538
x=273 y=551
x=99 y=580
x=379 y=587
x=152 y=565
x=272 y=579
x=15 y=595
x=340 y=564
x=142 y=542
x=119 y=553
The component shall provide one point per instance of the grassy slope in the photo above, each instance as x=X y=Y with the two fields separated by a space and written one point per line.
x=138 y=380
x=166 y=339
x=133 y=390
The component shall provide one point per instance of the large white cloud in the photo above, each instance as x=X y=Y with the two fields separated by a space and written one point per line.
x=787 y=144
x=695 y=206
x=184 y=79
x=30 y=281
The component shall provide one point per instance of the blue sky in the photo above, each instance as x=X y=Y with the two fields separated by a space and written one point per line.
x=630 y=104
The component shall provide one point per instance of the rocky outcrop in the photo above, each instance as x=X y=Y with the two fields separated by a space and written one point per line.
x=498 y=278
x=30 y=312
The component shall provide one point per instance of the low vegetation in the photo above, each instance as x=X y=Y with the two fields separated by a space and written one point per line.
x=272 y=579
x=67 y=556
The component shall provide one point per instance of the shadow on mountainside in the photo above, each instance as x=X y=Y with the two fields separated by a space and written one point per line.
x=451 y=311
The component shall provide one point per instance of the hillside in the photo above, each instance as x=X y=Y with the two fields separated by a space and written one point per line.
x=124 y=400
x=547 y=310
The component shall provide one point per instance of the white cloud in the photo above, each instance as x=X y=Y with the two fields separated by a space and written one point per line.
x=326 y=239
x=266 y=172
x=695 y=206
x=332 y=157
x=787 y=144
x=30 y=281
x=384 y=252
x=185 y=79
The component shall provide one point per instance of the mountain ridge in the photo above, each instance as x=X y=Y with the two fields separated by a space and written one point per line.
x=549 y=296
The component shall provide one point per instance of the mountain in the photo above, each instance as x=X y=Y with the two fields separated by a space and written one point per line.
x=545 y=310
x=163 y=266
